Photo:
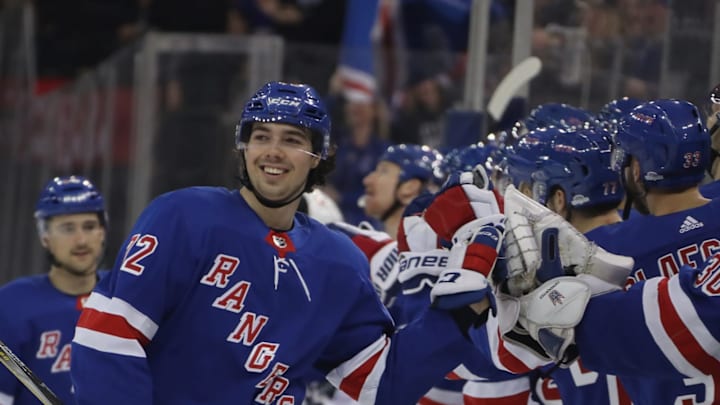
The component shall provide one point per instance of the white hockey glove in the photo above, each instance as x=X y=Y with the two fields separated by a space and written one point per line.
x=382 y=254
x=464 y=197
x=472 y=259
x=543 y=321
x=602 y=270
x=414 y=234
x=420 y=261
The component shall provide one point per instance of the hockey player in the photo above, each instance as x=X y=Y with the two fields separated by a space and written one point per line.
x=484 y=384
x=668 y=334
x=573 y=178
x=608 y=119
x=712 y=110
x=403 y=172
x=661 y=330
x=39 y=313
x=663 y=148
x=227 y=296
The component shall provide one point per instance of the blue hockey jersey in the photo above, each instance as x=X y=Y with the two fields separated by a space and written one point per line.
x=661 y=245
x=660 y=332
x=711 y=190
x=38 y=323
x=207 y=305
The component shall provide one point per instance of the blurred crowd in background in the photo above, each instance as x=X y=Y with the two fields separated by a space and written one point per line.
x=592 y=51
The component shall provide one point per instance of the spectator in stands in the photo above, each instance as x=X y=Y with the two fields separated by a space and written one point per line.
x=361 y=141
x=644 y=24
x=418 y=117
x=312 y=30
x=74 y=36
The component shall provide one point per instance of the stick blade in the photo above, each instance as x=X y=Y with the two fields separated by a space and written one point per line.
x=518 y=76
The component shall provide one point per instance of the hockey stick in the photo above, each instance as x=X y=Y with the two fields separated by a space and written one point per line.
x=27 y=377
x=520 y=75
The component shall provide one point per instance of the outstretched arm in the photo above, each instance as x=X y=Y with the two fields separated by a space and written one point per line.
x=658 y=328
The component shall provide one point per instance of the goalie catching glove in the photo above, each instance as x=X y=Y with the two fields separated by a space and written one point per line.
x=471 y=260
x=538 y=304
x=530 y=226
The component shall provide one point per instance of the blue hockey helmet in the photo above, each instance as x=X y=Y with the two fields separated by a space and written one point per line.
x=611 y=113
x=668 y=139
x=558 y=115
x=450 y=161
x=465 y=159
x=416 y=162
x=577 y=161
x=294 y=104
x=69 y=195
x=522 y=157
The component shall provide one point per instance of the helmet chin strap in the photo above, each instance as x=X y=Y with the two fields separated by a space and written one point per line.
x=245 y=181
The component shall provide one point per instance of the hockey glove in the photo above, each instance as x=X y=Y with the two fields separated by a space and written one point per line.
x=464 y=197
x=543 y=321
x=577 y=254
x=382 y=254
x=414 y=234
x=472 y=259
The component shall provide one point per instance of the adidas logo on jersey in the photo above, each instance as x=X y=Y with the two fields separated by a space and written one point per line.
x=689 y=224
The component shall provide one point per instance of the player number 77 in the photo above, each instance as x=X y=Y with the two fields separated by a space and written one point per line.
x=27 y=377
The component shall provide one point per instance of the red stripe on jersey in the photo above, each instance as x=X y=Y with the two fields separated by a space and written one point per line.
x=623 y=396
x=683 y=338
x=452 y=376
x=480 y=257
x=519 y=398
x=402 y=243
x=110 y=324
x=428 y=401
x=353 y=383
x=508 y=360
x=368 y=245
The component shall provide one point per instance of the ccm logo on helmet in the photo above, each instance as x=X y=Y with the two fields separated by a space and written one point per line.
x=282 y=101
x=77 y=198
